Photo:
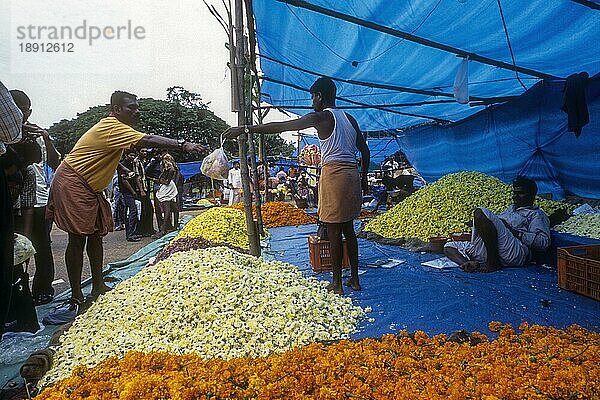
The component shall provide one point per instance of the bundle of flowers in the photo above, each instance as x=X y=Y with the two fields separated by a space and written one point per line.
x=216 y=303
x=189 y=243
x=446 y=206
x=539 y=363
x=221 y=225
x=582 y=225
x=310 y=155
x=279 y=213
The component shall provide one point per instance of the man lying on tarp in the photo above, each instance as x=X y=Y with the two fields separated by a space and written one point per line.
x=505 y=239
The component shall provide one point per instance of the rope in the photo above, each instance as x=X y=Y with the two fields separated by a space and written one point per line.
x=509 y=45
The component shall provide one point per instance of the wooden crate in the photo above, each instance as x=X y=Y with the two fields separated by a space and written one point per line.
x=579 y=269
x=320 y=256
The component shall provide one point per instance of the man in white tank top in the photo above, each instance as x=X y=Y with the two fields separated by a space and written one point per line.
x=340 y=185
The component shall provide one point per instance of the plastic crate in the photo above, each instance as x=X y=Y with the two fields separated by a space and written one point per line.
x=579 y=269
x=320 y=256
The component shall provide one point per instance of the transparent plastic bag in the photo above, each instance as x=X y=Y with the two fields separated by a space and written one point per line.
x=215 y=165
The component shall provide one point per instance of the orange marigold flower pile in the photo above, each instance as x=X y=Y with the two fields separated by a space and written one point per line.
x=279 y=213
x=539 y=363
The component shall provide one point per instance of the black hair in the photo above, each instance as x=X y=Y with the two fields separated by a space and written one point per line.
x=118 y=97
x=326 y=87
x=528 y=184
x=30 y=152
x=10 y=158
x=21 y=100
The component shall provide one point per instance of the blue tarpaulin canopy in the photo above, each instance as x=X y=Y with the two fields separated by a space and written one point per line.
x=189 y=169
x=395 y=63
x=527 y=137
x=408 y=51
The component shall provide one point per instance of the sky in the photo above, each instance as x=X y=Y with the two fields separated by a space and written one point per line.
x=100 y=46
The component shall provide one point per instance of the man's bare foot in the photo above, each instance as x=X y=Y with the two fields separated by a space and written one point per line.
x=470 y=266
x=353 y=284
x=474 y=266
x=337 y=289
x=97 y=292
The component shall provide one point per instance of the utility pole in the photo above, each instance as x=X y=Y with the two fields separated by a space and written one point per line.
x=237 y=78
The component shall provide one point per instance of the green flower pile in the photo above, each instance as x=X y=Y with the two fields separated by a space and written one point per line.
x=446 y=206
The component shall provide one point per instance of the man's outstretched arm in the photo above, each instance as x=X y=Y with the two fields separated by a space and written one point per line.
x=161 y=142
x=311 y=120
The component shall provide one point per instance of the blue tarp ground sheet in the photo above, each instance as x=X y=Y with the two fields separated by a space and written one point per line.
x=415 y=297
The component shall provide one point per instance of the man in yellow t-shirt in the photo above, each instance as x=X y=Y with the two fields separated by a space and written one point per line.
x=76 y=202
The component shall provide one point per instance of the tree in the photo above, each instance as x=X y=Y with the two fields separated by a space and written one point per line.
x=182 y=116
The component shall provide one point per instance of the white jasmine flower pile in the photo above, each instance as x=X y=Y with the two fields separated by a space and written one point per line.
x=215 y=302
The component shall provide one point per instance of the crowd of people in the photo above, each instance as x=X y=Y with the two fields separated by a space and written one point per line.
x=299 y=183
x=111 y=160
x=151 y=190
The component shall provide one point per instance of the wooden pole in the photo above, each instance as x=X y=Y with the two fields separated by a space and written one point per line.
x=255 y=81
x=238 y=81
x=252 y=154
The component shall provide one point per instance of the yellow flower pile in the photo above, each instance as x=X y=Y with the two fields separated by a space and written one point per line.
x=215 y=303
x=222 y=225
x=540 y=363
x=446 y=206
x=204 y=202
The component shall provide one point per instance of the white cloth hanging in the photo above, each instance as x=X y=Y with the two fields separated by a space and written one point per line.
x=461 y=82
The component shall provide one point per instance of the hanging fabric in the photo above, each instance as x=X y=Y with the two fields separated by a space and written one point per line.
x=461 y=82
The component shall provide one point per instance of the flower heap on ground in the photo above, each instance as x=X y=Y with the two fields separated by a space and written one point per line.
x=446 y=206
x=189 y=243
x=204 y=202
x=582 y=225
x=279 y=213
x=219 y=224
x=215 y=303
x=539 y=363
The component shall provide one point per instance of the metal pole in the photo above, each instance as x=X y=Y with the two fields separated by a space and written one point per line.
x=242 y=139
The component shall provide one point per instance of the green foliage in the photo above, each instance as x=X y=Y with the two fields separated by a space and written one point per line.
x=182 y=116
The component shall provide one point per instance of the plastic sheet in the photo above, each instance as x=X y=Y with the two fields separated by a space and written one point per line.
x=411 y=296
